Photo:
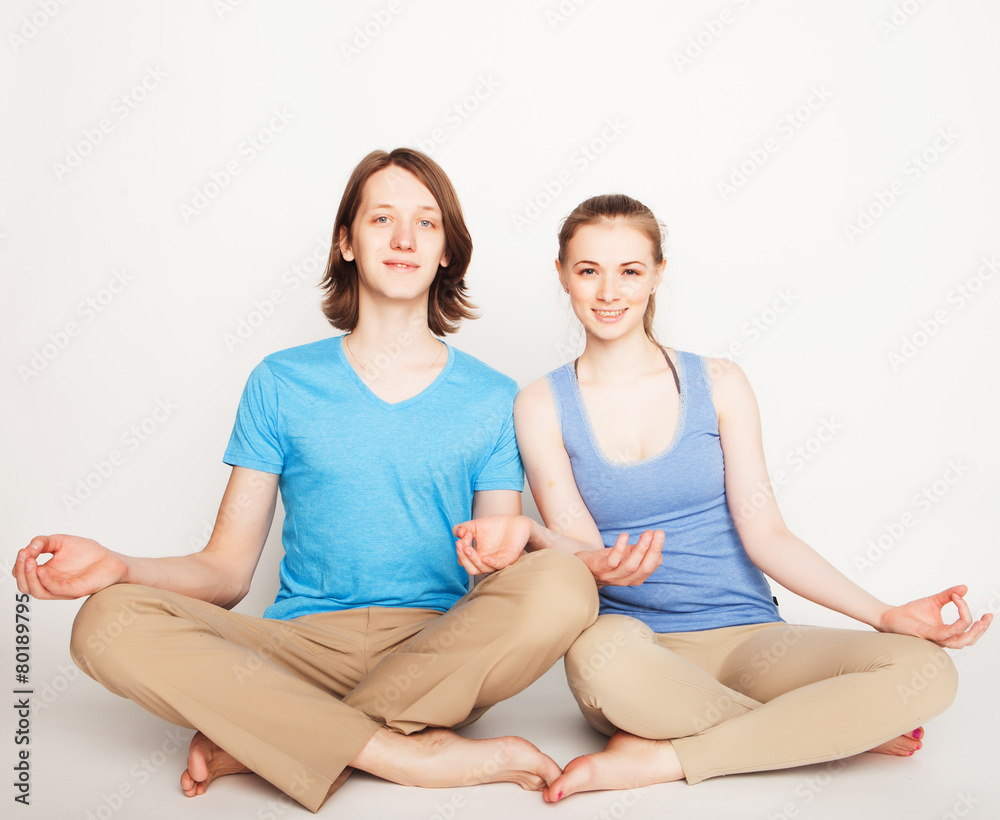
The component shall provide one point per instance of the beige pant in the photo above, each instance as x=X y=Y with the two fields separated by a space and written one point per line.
x=296 y=700
x=757 y=697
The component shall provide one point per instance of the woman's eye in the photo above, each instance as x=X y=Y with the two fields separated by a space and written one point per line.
x=587 y=271
x=426 y=223
x=381 y=220
x=632 y=272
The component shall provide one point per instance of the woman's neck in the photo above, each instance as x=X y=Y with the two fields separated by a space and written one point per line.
x=618 y=360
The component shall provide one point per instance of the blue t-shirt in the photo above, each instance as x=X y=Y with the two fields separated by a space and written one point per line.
x=371 y=490
x=706 y=580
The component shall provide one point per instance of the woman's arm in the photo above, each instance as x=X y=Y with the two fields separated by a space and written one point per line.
x=219 y=574
x=789 y=560
x=570 y=527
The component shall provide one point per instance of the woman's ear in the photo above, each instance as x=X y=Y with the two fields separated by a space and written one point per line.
x=659 y=273
x=345 y=245
x=562 y=277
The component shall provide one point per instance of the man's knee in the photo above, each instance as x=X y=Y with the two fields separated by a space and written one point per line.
x=104 y=624
x=562 y=591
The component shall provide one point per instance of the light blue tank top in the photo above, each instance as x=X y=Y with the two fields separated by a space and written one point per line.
x=706 y=580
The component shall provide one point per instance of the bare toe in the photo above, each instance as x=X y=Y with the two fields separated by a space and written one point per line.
x=438 y=758
x=902 y=746
x=579 y=775
x=627 y=762
x=207 y=761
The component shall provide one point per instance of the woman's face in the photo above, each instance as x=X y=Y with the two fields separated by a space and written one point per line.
x=609 y=273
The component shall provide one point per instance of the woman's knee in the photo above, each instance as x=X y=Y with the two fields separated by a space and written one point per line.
x=927 y=678
x=594 y=657
x=623 y=678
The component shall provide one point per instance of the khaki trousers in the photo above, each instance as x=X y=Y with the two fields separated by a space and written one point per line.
x=757 y=697
x=296 y=700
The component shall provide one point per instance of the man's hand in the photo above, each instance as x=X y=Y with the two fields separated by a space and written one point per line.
x=78 y=567
x=922 y=619
x=491 y=543
x=625 y=564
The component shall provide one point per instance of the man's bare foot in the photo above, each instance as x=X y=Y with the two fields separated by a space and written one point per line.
x=627 y=762
x=438 y=758
x=207 y=761
x=904 y=745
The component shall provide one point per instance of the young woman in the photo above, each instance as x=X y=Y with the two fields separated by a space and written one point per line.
x=693 y=673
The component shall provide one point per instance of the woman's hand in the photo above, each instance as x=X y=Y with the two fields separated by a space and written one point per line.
x=78 y=567
x=491 y=542
x=922 y=619
x=625 y=565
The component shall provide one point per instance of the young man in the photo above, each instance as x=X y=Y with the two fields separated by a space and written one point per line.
x=380 y=442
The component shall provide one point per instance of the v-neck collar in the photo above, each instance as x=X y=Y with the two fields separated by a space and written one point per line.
x=404 y=403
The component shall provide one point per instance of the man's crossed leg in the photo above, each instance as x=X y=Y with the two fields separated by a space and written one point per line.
x=303 y=701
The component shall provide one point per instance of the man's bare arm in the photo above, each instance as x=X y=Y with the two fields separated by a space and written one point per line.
x=220 y=573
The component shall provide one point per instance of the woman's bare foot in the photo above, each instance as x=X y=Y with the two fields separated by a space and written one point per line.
x=904 y=745
x=207 y=761
x=627 y=762
x=438 y=758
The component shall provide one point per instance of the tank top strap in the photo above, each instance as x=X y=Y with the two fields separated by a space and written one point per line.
x=562 y=383
x=700 y=406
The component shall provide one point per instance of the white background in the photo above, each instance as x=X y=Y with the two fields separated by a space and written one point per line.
x=530 y=108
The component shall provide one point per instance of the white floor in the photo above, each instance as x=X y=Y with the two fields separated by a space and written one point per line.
x=97 y=757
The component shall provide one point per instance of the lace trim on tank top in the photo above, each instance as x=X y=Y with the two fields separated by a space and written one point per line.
x=678 y=432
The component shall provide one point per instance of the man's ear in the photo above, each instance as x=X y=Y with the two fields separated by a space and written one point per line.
x=345 y=245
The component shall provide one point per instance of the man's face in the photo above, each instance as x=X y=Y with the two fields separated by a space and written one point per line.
x=398 y=239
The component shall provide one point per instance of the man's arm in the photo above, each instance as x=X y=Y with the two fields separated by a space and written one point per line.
x=219 y=574
x=502 y=507
x=500 y=540
x=496 y=502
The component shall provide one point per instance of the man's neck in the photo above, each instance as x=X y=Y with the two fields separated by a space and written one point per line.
x=399 y=327
x=394 y=352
